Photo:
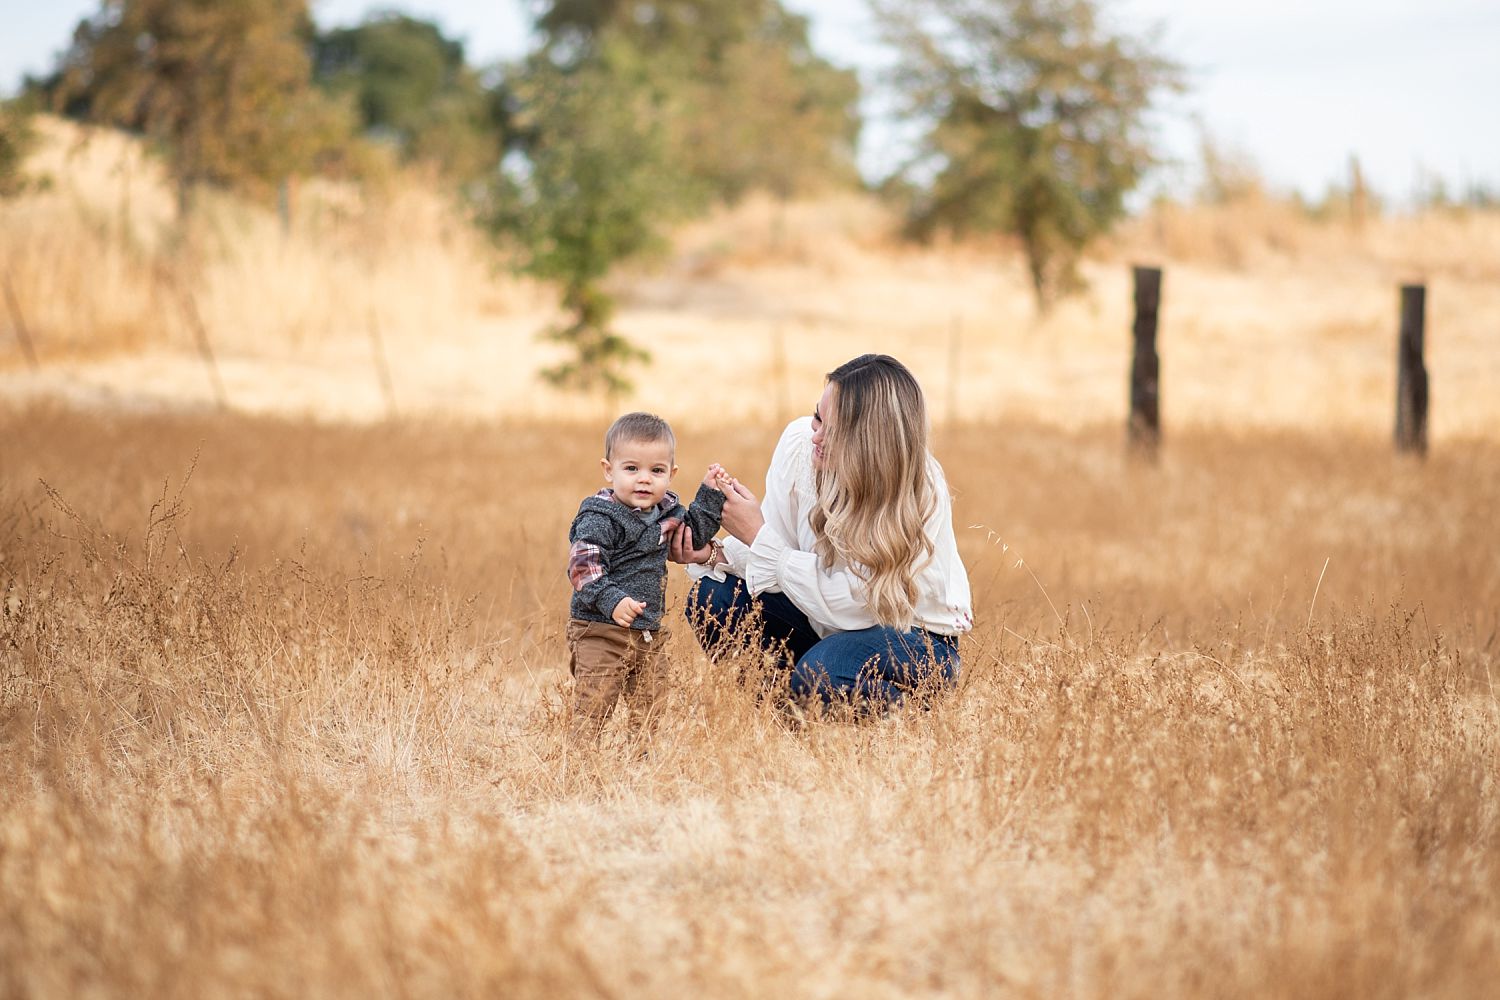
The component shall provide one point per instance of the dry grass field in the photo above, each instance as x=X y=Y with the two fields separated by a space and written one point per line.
x=281 y=686
x=291 y=727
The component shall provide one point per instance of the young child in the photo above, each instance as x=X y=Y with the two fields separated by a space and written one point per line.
x=618 y=566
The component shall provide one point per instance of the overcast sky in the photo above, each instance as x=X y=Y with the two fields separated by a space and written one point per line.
x=1409 y=86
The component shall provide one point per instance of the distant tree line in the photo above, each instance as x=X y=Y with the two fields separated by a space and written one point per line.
x=628 y=115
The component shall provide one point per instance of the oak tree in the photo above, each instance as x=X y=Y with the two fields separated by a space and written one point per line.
x=224 y=86
x=1035 y=121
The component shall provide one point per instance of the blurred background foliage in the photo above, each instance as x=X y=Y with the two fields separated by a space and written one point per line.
x=225 y=90
x=16 y=138
x=630 y=116
x=414 y=91
x=1033 y=123
x=624 y=118
x=1034 y=117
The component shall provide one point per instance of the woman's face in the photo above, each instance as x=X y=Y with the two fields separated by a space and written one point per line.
x=822 y=414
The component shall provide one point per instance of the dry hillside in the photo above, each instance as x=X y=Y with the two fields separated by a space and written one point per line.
x=1269 y=320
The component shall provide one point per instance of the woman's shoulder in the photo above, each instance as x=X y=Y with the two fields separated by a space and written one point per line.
x=800 y=429
x=795 y=445
x=792 y=461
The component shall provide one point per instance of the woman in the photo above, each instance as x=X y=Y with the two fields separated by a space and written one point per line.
x=850 y=560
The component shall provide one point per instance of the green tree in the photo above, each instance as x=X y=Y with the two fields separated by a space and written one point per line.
x=765 y=112
x=752 y=105
x=634 y=114
x=414 y=88
x=1035 y=118
x=223 y=85
x=588 y=184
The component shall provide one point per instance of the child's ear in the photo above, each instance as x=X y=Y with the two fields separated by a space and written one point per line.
x=673 y=473
x=604 y=464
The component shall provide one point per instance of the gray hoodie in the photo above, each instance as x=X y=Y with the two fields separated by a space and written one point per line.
x=619 y=551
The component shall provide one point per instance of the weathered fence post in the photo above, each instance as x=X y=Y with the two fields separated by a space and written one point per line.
x=1411 y=372
x=18 y=319
x=284 y=205
x=1145 y=409
x=189 y=306
x=955 y=349
x=171 y=281
x=778 y=370
x=382 y=369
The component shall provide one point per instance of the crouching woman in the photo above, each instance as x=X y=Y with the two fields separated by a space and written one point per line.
x=849 y=564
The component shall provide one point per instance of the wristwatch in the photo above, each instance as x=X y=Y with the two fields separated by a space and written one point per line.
x=715 y=553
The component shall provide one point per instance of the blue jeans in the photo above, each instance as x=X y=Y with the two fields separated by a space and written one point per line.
x=877 y=665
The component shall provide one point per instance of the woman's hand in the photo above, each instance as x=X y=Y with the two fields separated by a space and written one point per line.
x=742 y=517
x=680 y=549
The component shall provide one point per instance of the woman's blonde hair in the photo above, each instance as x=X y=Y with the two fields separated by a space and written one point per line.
x=874 y=490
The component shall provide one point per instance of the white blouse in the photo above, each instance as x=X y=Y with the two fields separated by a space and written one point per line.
x=783 y=558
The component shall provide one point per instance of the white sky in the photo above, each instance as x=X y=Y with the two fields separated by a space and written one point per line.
x=1409 y=86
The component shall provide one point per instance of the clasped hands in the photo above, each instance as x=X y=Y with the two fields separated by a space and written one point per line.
x=742 y=518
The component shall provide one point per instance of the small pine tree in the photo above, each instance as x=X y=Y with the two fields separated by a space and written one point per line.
x=589 y=184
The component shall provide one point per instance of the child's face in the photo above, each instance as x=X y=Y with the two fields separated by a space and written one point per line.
x=639 y=472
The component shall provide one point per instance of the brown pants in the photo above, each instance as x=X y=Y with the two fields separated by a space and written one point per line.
x=608 y=662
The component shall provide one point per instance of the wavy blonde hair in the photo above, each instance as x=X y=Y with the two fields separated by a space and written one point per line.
x=874 y=491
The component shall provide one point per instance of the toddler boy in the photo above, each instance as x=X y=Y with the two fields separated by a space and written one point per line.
x=618 y=566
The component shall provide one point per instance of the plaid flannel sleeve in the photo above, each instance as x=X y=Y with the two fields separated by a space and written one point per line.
x=588 y=570
x=585 y=564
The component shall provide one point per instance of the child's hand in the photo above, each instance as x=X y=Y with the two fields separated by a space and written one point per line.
x=627 y=611
x=717 y=478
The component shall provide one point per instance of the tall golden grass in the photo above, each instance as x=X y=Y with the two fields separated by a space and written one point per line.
x=281 y=715
x=91 y=248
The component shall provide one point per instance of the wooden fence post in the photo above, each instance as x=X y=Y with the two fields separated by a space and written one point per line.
x=955 y=349
x=1411 y=372
x=18 y=319
x=172 y=282
x=778 y=371
x=284 y=205
x=189 y=305
x=382 y=369
x=1145 y=411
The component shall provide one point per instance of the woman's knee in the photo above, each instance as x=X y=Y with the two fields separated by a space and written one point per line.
x=879 y=665
x=714 y=608
x=710 y=598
